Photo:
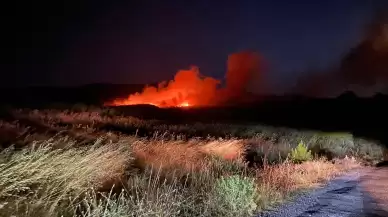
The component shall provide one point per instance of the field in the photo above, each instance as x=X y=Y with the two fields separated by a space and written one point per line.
x=88 y=161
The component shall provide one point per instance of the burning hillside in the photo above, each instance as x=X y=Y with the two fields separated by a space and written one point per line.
x=190 y=88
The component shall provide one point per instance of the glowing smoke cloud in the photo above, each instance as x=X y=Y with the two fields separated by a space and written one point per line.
x=190 y=88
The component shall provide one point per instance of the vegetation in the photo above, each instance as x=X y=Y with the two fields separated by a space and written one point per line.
x=301 y=153
x=235 y=195
x=99 y=163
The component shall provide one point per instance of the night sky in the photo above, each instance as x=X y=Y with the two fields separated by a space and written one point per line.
x=80 y=42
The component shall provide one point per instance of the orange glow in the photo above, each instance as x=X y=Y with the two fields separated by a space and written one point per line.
x=189 y=88
x=185 y=104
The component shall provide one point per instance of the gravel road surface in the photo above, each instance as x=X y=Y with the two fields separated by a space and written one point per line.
x=345 y=196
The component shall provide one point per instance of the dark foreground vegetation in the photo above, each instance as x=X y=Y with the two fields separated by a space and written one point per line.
x=92 y=161
x=82 y=159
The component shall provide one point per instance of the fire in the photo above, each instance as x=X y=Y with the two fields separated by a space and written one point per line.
x=189 y=88
x=185 y=104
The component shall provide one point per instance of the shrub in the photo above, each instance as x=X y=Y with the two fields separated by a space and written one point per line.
x=235 y=196
x=300 y=153
x=332 y=145
x=261 y=152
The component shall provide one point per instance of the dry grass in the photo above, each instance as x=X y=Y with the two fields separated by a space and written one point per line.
x=170 y=155
x=189 y=156
x=79 y=118
x=226 y=149
x=47 y=181
x=160 y=176
x=97 y=122
x=277 y=182
x=38 y=181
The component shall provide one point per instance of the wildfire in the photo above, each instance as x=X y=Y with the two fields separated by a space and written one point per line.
x=189 y=88
x=185 y=104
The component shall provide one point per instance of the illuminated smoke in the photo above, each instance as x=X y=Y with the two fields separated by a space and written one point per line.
x=190 y=88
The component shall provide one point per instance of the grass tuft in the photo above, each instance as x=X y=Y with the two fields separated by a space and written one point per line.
x=235 y=196
x=43 y=178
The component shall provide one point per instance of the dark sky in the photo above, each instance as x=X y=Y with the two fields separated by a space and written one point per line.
x=78 y=42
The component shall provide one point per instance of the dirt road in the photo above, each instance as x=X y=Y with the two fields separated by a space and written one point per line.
x=360 y=193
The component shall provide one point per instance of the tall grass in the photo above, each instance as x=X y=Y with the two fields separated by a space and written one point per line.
x=161 y=175
x=55 y=178
x=43 y=180
x=98 y=123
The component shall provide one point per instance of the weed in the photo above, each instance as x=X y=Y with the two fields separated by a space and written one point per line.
x=235 y=196
x=300 y=153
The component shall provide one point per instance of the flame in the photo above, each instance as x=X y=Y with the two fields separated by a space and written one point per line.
x=184 y=104
x=189 y=88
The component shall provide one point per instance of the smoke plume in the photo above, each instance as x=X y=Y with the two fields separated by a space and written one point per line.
x=243 y=68
x=363 y=70
x=190 y=88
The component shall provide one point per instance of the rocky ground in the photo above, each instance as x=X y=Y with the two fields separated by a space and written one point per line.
x=358 y=193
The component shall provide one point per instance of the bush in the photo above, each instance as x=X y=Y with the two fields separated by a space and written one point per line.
x=300 y=153
x=235 y=196
x=261 y=152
